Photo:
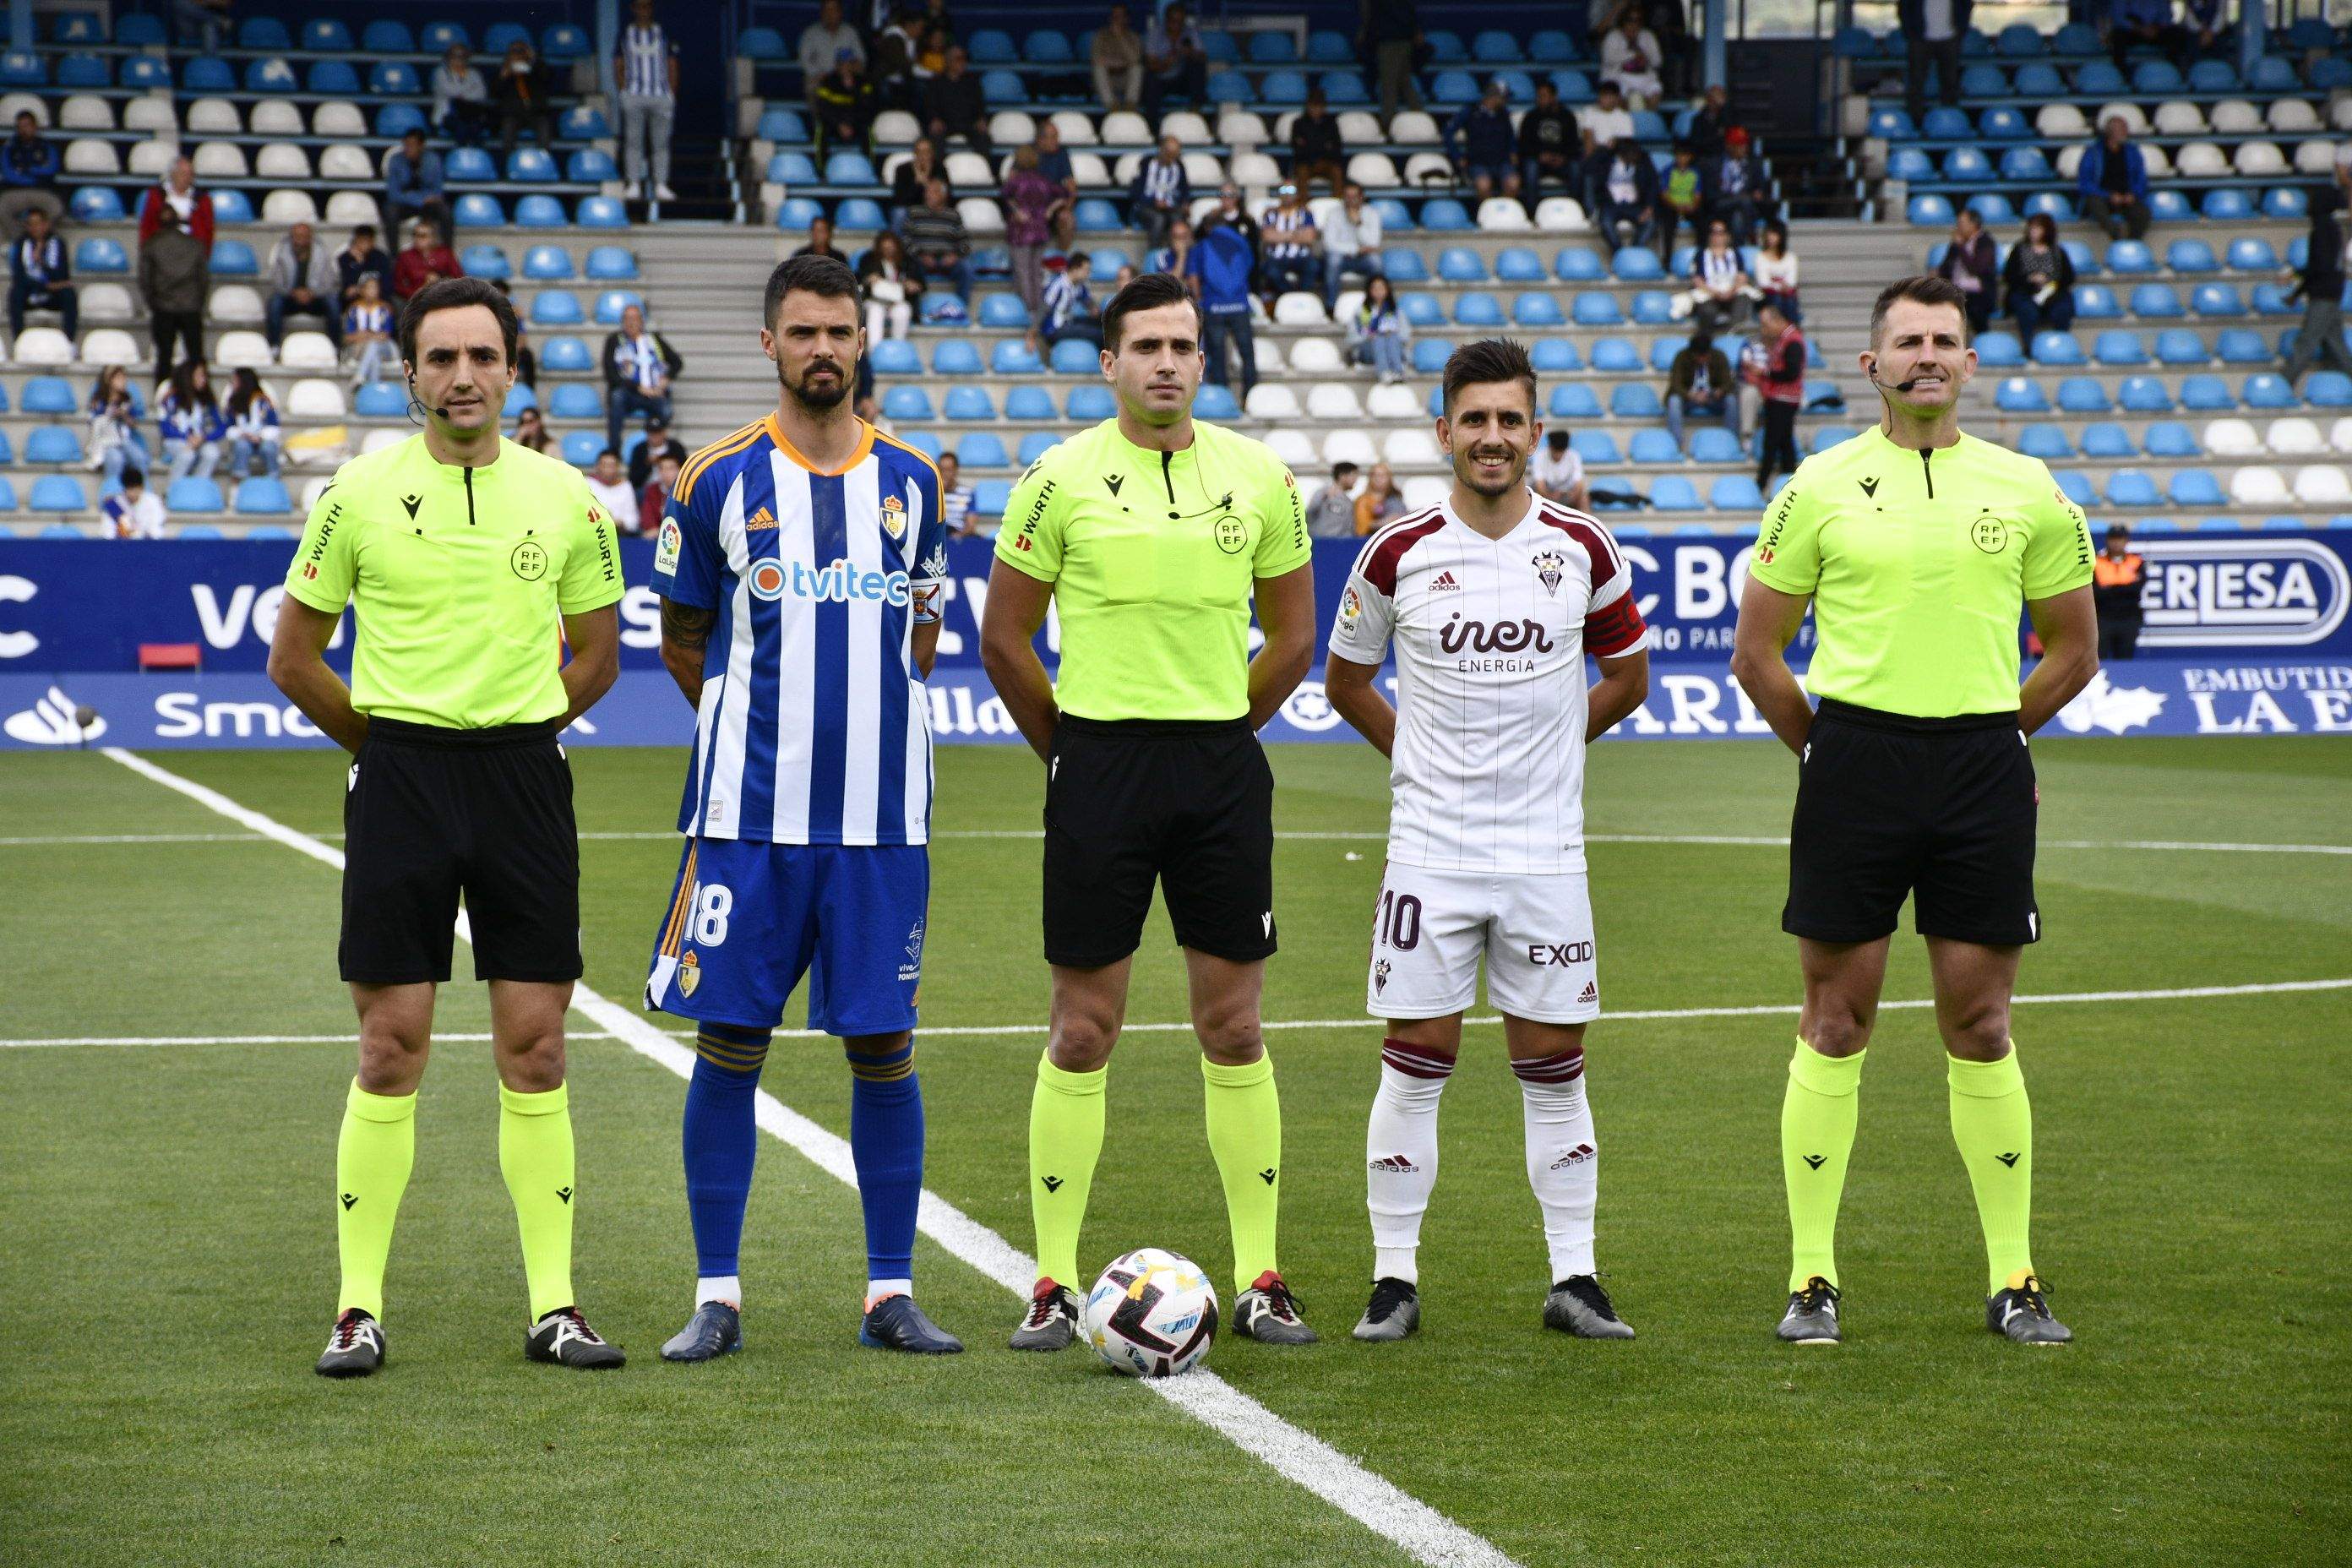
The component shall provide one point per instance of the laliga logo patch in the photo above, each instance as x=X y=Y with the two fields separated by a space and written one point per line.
x=893 y=517
x=1350 y=607
x=689 y=974
x=1550 y=566
x=767 y=579
x=673 y=539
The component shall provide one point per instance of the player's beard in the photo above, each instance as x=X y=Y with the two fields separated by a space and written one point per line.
x=819 y=399
x=1515 y=474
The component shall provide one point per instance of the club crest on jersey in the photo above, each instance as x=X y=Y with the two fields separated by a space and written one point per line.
x=1379 y=976
x=689 y=974
x=893 y=517
x=1550 y=566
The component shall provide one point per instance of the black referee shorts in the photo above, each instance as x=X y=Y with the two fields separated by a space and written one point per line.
x=1940 y=809
x=430 y=812
x=1190 y=805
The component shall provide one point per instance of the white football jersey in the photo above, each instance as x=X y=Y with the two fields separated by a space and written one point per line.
x=1491 y=635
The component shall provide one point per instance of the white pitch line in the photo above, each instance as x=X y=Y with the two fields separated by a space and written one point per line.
x=341 y=1039
x=1372 y=1500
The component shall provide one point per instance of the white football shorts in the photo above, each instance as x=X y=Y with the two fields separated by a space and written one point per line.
x=1431 y=928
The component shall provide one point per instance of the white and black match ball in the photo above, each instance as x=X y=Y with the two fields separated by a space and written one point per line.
x=1153 y=1314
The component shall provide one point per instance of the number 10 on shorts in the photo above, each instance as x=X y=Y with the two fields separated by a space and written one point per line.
x=1432 y=929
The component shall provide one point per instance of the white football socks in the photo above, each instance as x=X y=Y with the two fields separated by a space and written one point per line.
x=1401 y=1154
x=1563 y=1160
x=727 y=1288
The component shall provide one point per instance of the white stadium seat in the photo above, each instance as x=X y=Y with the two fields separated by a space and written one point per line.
x=2175 y=118
x=314 y=489
x=1345 y=306
x=338 y=120
x=890 y=162
x=2257 y=487
x=106 y=302
x=1395 y=401
x=1207 y=174
x=343 y=161
x=221 y=160
x=1350 y=446
x=1240 y=127
x=1428 y=169
x=982 y=215
x=1374 y=171
x=1412 y=447
x=2339 y=435
x=151 y=158
x=1011 y=127
x=284 y=161
x=1125 y=128
x=2159 y=162
x=2236 y=117
x=378 y=439
x=1089 y=171
x=1314 y=356
x=1204 y=204
x=2135 y=119
x=1356 y=125
x=895 y=128
x=1123 y=169
x=313 y=398
x=276 y=117
x=1269 y=352
x=110 y=345
x=151 y=114
x=43 y=346
x=1292 y=446
x=2200 y=161
x=1423 y=491
x=89 y=155
x=1251 y=170
x=240 y=349
x=345 y=208
x=1412 y=128
x=1266 y=400
x=2295 y=438
x=1282 y=124
x=1334 y=400
x=2315 y=156
x=236 y=305
x=32 y=103
x=288 y=207
x=1077 y=129
x=2261 y=158
x=2233 y=438
x=2339 y=113
x=2069 y=159
x=308 y=351
x=86 y=111
x=2325 y=485
x=2294 y=116
x=1561 y=214
x=970 y=170
x=1188 y=127
x=2061 y=122
x=1502 y=214
x=215 y=117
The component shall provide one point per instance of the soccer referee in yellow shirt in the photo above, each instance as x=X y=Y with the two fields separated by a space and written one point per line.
x=1917 y=546
x=460 y=551
x=1152 y=533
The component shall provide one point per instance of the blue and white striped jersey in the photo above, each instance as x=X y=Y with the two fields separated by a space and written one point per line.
x=814 y=727
x=645 y=61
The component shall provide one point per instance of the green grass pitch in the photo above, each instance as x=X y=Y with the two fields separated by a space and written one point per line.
x=167 y=1259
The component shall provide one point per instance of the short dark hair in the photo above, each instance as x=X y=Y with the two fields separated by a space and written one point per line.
x=454 y=294
x=609 y=452
x=1487 y=360
x=1926 y=289
x=133 y=479
x=827 y=276
x=362 y=228
x=1148 y=292
x=1341 y=470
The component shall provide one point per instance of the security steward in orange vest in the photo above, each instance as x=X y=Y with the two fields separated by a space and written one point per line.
x=2116 y=578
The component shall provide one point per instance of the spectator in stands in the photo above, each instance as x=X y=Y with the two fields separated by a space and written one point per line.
x=427 y=260
x=2146 y=22
x=1628 y=195
x=1161 y=194
x=1776 y=269
x=521 y=96
x=820 y=240
x=1070 y=308
x=844 y=106
x=922 y=166
x=1117 y=60
x=823 y=43
x=648 y=454
x=302 y=283
x=956 y=498
x=1054 y=162
x=1782 y=383
x=202 y=24
x=1219 y=269
x=1682 y=198
x=1481 y=143
x=1333 y=513
x=1667 y=19
x=115 y=441
x=134 y=511
x=2039 y=279
x=654 y=499
x=2203 y=21
x=1031 y=201
x=461 y=99
x=414 y=186
x=1968 y=262
x=892 y=63
x=1315 y=153
x=1291 y=247
x=1557 y=472
x=1601 y=126
x=253 y=430
x=2119 y=578
x=1174 y=64
x=1631 y=58
x=368 y=329
x=937 y=241
x=936 y=41
x=608 y=482
x=1736 y=184
x=359 y=259
x=1711 y=121
x=954 y=105
x=1390 y=35
x=1722 y=293
x=189 y=419
x=176 y=247
x=2322 y=287
x=1699 y=383
x=1351 y=243
x=639 y=367
x=40 y=277
x=530 y=430
x=891 y=286
x=1380 y=502
x=28 y=174
x=2111 y=181
x=1380 y=331
x=1933 y=32
x=1550 y=145
x=525 y=362
x=1174 y=258
x=645 y=68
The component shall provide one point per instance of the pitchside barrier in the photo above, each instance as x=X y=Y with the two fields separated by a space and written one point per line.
x=2243 y=633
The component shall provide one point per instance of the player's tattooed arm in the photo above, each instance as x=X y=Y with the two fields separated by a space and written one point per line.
x=685 y=639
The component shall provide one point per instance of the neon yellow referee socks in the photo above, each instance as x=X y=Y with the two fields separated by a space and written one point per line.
x=535 y=1156
x=1244 y=1117
x=1992 y=1122
x=1065 y=1139
x=372 y=1159
x=1817 y=1122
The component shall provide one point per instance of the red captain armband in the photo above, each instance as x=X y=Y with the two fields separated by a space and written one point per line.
x=1617 y=629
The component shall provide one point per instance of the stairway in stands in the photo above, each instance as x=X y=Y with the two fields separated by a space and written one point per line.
x=701 y=171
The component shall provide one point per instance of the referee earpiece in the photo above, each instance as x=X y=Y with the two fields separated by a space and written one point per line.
x=417 y=401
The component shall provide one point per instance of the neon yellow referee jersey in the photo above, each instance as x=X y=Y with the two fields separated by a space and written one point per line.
x=1919 y=564
x=459 y=576
x=1153 y=557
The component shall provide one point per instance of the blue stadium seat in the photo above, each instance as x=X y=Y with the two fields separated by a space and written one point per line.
x=469 y=165
x=519 y=396
x=262 y=497
x=2179 y=346
x=2190 y=256
x=1573 y=400
x=982 y=449
x=991 y=496
x=2019 y=40
x=2273 y=73
x=1477 y=307
x=992 y=46
x=1579 y=264
x=1460 y=264
x=1614 y=356
x=2109 y=440
x=192 y=493
x=1212 y=402
x=849 y=167
x=923 y=441
x=1429 y=355
x=1594 y=307
x=500 y=37
x=613 y=301
x=1094 y=216
x=1076 y=356
x=1945 y=123
x=1734 y=492
x=563 y=43
x=272 y=75
x=1328 y=47
x=612 y=263
x=83 y=71
x=1636 y=400
x=1108 y=259
x=48 y=394
x=777 y=124
x=490 y=262
x=894 y=356
x=1003 y=312
x=1993 y=207
x=2156 y=77
x=589 y=166
x=550 y=263
x=1967 y=164
x=575 y=400
x=1662 y=354
x=381 y=400
x=761 y=44
x=394 y=121
x=2194 y=487
x=205 y=73
x=2285 y=201
x=2081 y=394
x=1550 y=47
x=2206 y=395
x=2241 y=345
x=97 y=204
x=2045 y=441
x=1228 y=87
x=2056 y=348
x=1674 y=493
x=2117 y=347
x=1891 y=125
x=1551 y=355
x=2132 y=487
x=2170 y=438
x=582 y=122
x=1421 y=309
x=1282 y=87
x=2249 y=253
x=1034 y=445
x=2212 y=76
x=325 y=35
x=435 y=37
x=332 y=78
x=56 y=492
x=1454 y=88
x=475 y=209
x=52 y=444
x=389 y=78
x=1444 y=214
x=600 y=212
x=1596 y=446
x=2143 y=394
x=2052 y=204
x=1403 y=265
x=100 y=253
x=1026 y=403
x=2329 y=389
x=1929 y=209
x=2216 y=298
x=531 y=167
x=146 y=72
x=1910 y=163
x=1999 y=350
x=1575 y=87
x=2130 y=256
x=2095 y=302
x=1444 y=46
x=2076 y=485
x=2099 y=80
x=968 y=402
x=580 y=448
x=386 y=37
x=556 y=308
x=956 y=356
x=1050 y=47
x=1714 y=443
x=538 y=211
x=1395 y=217
x=905 y=403
x=1637 y=264
x=1653 y=308
x=2263 y=390
x=1984 y=81
x=2225 y=205
x=2038 y=81
x=2024 y=163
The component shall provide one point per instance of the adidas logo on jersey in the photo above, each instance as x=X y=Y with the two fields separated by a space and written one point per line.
x=1398 y=1165
x=761 y=519
x=1592 y=993
x=1576 y=1156
x=1444 y=583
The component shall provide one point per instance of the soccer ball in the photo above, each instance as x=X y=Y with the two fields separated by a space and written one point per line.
x=1152 y=1314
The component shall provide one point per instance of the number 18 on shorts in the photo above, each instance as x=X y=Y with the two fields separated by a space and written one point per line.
x=1430 y=929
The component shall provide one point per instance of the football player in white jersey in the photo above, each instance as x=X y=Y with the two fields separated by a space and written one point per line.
x=1492 y=598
